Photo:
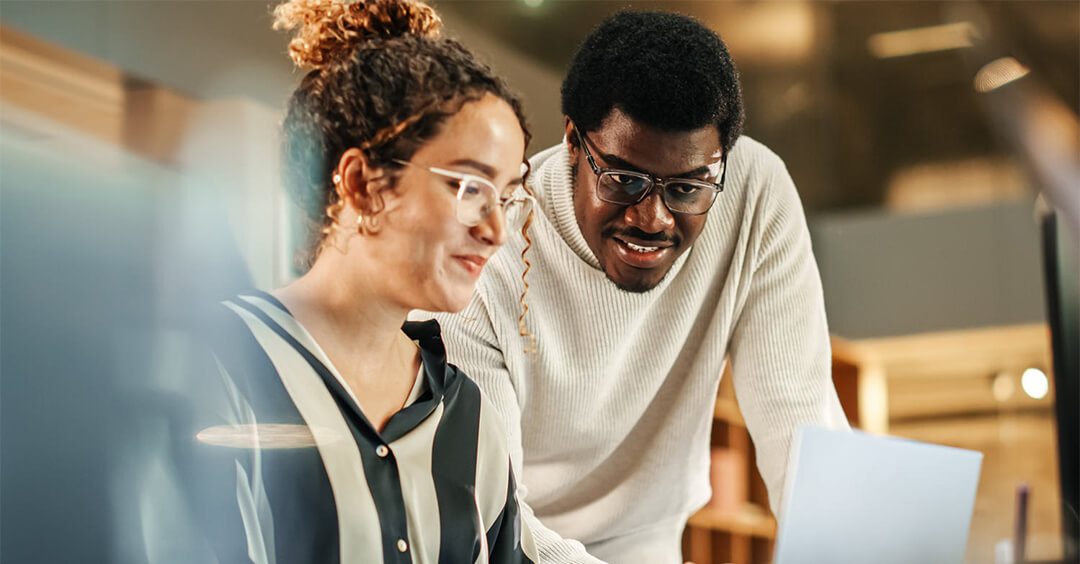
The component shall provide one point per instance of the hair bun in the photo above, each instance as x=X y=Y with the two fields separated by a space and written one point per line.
x=329 y=28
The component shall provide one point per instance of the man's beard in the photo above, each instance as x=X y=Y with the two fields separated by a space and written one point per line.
x=639 y=288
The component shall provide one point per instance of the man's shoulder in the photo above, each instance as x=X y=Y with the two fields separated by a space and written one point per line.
x=548 y=167
x=757 y=174
x=753 y=152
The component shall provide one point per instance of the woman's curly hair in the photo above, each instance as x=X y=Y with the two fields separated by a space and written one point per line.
x=380 y=79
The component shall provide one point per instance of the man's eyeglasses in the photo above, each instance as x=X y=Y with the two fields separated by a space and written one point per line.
x=690 y=196
x=476 y=197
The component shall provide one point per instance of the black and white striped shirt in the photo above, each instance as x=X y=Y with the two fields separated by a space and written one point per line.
x=290 y=470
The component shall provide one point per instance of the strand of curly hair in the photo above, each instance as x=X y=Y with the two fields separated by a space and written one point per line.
x=523 y=329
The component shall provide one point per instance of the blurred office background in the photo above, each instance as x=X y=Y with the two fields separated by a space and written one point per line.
x=139 y=140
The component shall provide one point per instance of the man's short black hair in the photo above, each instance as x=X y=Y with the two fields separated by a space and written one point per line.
x=664 y=70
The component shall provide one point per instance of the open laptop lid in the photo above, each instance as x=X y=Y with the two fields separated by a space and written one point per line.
x=858 y=498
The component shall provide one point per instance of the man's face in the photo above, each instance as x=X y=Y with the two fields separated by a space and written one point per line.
x=637 y=244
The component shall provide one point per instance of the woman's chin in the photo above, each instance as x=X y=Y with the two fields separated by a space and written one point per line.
x=458 y=304
x=452 y=301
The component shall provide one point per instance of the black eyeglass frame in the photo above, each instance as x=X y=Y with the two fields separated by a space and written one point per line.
x=599 y=171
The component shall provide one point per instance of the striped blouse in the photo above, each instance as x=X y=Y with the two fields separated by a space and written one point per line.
x=290 y=471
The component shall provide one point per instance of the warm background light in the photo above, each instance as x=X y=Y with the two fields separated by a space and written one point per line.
x=921 y=40
x=998 y=73
x=1003 y=386
x=1035 y=383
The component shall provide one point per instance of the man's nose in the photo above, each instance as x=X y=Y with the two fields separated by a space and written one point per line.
x=650 y=215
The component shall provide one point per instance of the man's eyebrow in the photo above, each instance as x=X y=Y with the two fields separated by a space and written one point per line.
x=623 y=164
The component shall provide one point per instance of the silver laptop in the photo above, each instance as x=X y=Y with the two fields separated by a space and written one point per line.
x=858 y=498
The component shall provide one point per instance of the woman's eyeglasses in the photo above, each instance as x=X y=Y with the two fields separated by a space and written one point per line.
x=476 y=197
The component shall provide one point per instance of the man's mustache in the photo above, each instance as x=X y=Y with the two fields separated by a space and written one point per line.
x=639 y=235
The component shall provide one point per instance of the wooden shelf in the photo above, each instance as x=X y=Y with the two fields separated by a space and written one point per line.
x=727 y=410
x=752 y=521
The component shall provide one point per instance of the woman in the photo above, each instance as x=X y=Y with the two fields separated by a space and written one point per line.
x=404 y=150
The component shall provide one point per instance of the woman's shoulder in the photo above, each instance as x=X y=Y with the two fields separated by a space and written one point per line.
x=232 y=340
x=226 y=332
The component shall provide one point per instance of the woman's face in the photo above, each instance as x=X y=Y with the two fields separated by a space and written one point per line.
x=425 y=257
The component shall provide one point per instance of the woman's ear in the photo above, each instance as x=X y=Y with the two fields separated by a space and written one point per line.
x=360 y=185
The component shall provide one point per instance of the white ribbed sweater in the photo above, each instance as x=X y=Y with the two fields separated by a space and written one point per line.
x=608 y=420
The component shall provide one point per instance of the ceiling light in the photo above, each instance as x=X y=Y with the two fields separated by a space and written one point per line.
x=1035 y=383
x=998 y=73
x=921 y=40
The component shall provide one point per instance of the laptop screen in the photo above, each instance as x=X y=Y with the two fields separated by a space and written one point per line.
x=856 y=498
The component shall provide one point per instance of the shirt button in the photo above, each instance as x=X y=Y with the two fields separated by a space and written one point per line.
x=381 y=451
x=402 y=546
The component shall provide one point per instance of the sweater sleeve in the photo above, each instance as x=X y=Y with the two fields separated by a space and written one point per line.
x=509 y=540
x=780 y=351
x=471 y=343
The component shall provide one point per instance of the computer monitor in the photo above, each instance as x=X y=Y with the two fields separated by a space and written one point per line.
x=1062 y=275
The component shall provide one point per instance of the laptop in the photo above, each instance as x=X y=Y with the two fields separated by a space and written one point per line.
x=858 y=498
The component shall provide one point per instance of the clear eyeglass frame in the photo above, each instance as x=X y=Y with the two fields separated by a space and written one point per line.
x=612 y=185
x=477 y=197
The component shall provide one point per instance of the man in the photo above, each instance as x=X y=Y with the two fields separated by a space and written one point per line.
x=660 y=247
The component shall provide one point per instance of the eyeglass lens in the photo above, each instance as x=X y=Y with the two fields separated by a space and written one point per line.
x=680 y=196
x=477 y=200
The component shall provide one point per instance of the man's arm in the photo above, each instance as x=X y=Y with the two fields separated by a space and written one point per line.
x=509 y=539
x=780 y=352
x=472 y=345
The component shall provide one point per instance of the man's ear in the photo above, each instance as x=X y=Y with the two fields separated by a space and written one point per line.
x=570 y=138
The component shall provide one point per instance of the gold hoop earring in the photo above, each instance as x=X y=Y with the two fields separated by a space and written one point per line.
x=360 y=223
